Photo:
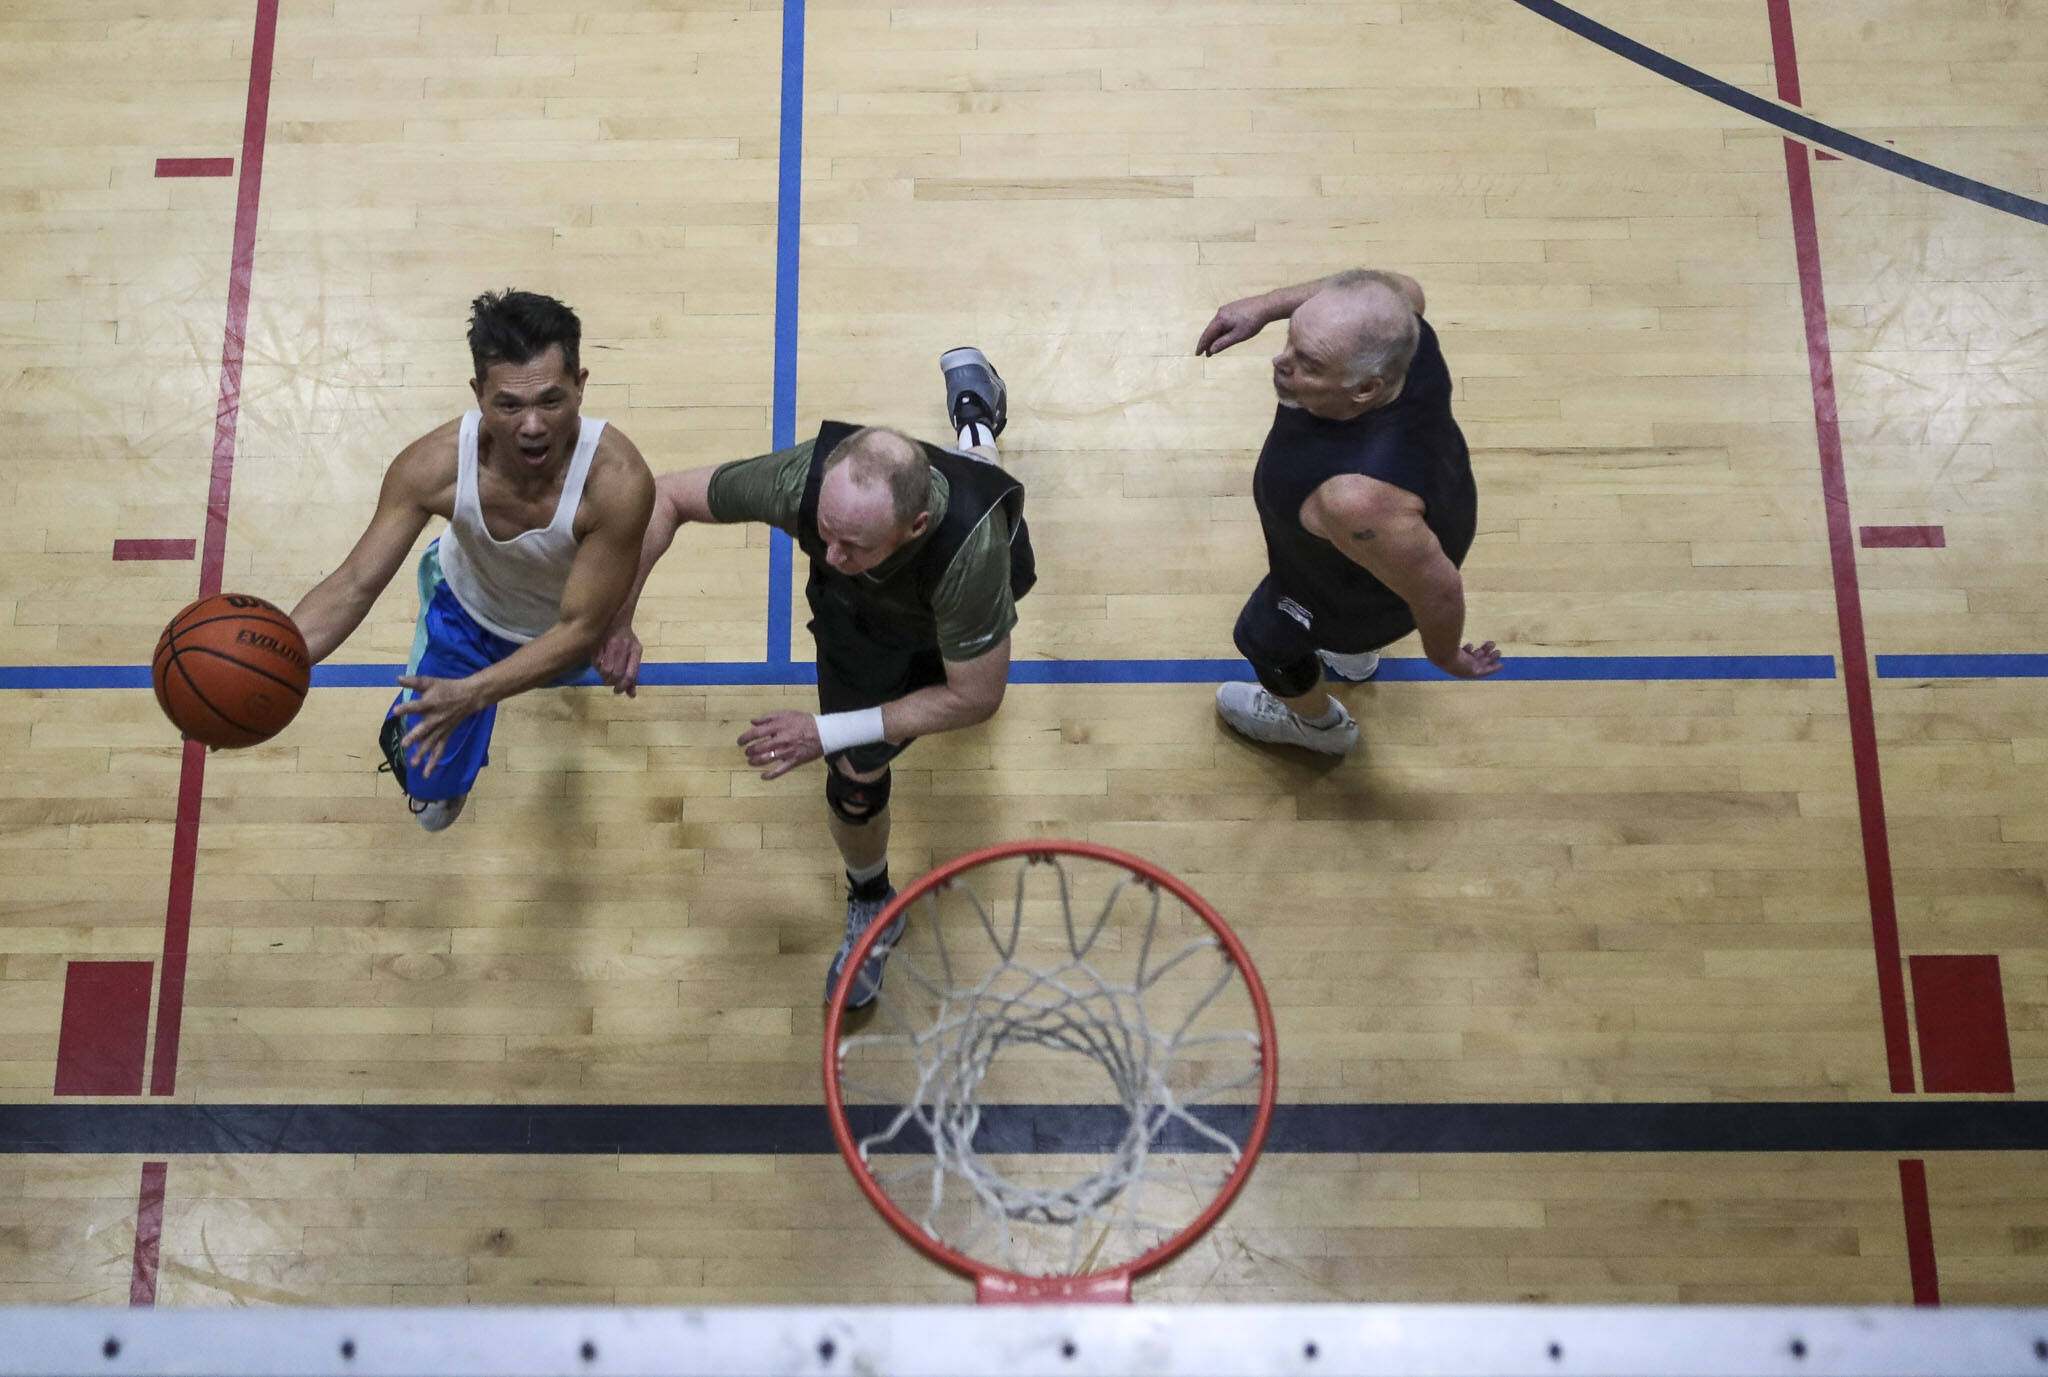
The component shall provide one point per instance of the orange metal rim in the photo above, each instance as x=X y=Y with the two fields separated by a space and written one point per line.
x=996 y=1282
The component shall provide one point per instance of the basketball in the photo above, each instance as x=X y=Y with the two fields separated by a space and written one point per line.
x=230 y=670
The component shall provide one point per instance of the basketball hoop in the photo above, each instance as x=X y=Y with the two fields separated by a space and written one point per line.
x=1083 y=962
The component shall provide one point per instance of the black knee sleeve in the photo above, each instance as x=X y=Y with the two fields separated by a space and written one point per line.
x=1291 y=680
x=853 y=801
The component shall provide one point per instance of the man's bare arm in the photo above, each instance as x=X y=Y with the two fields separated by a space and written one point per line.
x=1381 y=529
x=1237 y=321
x=338 y=603
x=972 y=692
x=780 y=741
x=679 y=497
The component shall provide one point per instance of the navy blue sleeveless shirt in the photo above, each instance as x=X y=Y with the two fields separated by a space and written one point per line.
x=1411 y=442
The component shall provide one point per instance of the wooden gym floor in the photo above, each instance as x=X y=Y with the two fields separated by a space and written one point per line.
x=1701 y=957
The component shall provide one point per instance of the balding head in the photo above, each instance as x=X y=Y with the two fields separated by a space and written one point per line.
x=1384 y=331
x=874 y=499
x=1348 y=348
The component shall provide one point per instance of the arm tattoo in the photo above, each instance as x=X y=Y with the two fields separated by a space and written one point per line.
x=1364 y=535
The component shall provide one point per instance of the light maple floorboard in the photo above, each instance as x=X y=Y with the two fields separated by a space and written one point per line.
x=1514 y=892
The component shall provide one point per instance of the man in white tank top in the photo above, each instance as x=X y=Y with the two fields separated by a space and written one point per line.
x=545 y=509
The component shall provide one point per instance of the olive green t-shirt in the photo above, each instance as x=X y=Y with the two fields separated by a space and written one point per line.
x=973 y=606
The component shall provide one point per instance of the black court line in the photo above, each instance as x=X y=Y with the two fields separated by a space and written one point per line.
x=1791 y=121
x=1889 y=1126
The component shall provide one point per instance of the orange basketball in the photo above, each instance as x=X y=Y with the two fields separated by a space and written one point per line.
x=231 y=670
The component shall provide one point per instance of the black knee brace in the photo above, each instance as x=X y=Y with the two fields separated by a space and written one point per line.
x=1291 y=680
x=853 y=801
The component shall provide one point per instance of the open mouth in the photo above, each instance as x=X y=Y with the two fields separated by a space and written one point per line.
x=534 y=454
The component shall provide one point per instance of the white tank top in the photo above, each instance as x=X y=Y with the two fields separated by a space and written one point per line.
x=512 y=587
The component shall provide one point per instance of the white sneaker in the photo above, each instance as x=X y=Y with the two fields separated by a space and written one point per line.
x=1352 y=669
x=1258 y=714
x=436 y=814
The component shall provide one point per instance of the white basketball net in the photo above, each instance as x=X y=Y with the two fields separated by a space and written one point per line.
x=986 y=1006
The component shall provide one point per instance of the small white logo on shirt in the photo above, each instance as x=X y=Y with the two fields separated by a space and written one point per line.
x=1296 y=611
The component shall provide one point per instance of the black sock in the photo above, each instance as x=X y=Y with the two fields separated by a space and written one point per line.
x=872 y=889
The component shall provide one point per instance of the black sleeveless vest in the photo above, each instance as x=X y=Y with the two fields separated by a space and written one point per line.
x=897 y=610
x=1412 y=442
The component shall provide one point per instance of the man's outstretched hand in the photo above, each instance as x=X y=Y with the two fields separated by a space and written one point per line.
x=1234 y=323
x=1474 y=662
x=617 y=663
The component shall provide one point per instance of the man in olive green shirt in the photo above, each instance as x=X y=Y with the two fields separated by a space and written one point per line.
x=917 y=557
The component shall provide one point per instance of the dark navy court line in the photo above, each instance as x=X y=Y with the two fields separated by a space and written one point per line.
x=1888 y=1126
x=1791 y=121
x=1962 y=666
x=789 y=208
x=741 y=673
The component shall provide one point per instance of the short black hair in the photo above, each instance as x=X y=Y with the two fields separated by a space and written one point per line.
x=517 y=327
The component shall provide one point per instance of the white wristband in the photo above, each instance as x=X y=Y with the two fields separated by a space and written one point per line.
x=839 y=730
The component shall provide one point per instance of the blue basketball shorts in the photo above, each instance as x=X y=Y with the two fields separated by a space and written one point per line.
x=448 y=643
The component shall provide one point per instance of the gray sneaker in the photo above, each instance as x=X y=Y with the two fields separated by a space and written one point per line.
x=1351 y=669
x=974 y=391
x=1251 y=710
x=860 y=916
x=436 y=814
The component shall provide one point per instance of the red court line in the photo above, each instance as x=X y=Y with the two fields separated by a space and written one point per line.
x=170 y=1009
x=1959 y=1013
x=1784 y=54
x=155 y=549
x=1877 y=860
x=241 y=269
x=170 y=1000
x=1902 y=537
x=103 y=1033
x=195 y=167
x=149 y=1231
x=1919 y=1232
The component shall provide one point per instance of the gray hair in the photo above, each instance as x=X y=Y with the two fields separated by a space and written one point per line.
x=1386 y=340
x=881 y=455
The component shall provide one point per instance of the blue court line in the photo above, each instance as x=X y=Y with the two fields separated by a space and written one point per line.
x=1882 y=1126
x=789 y=211
x=1412 y=670
x=740 y=673
x=77 y=677
x=1525 y=668
x=1962 y=666
x=1790 y=120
